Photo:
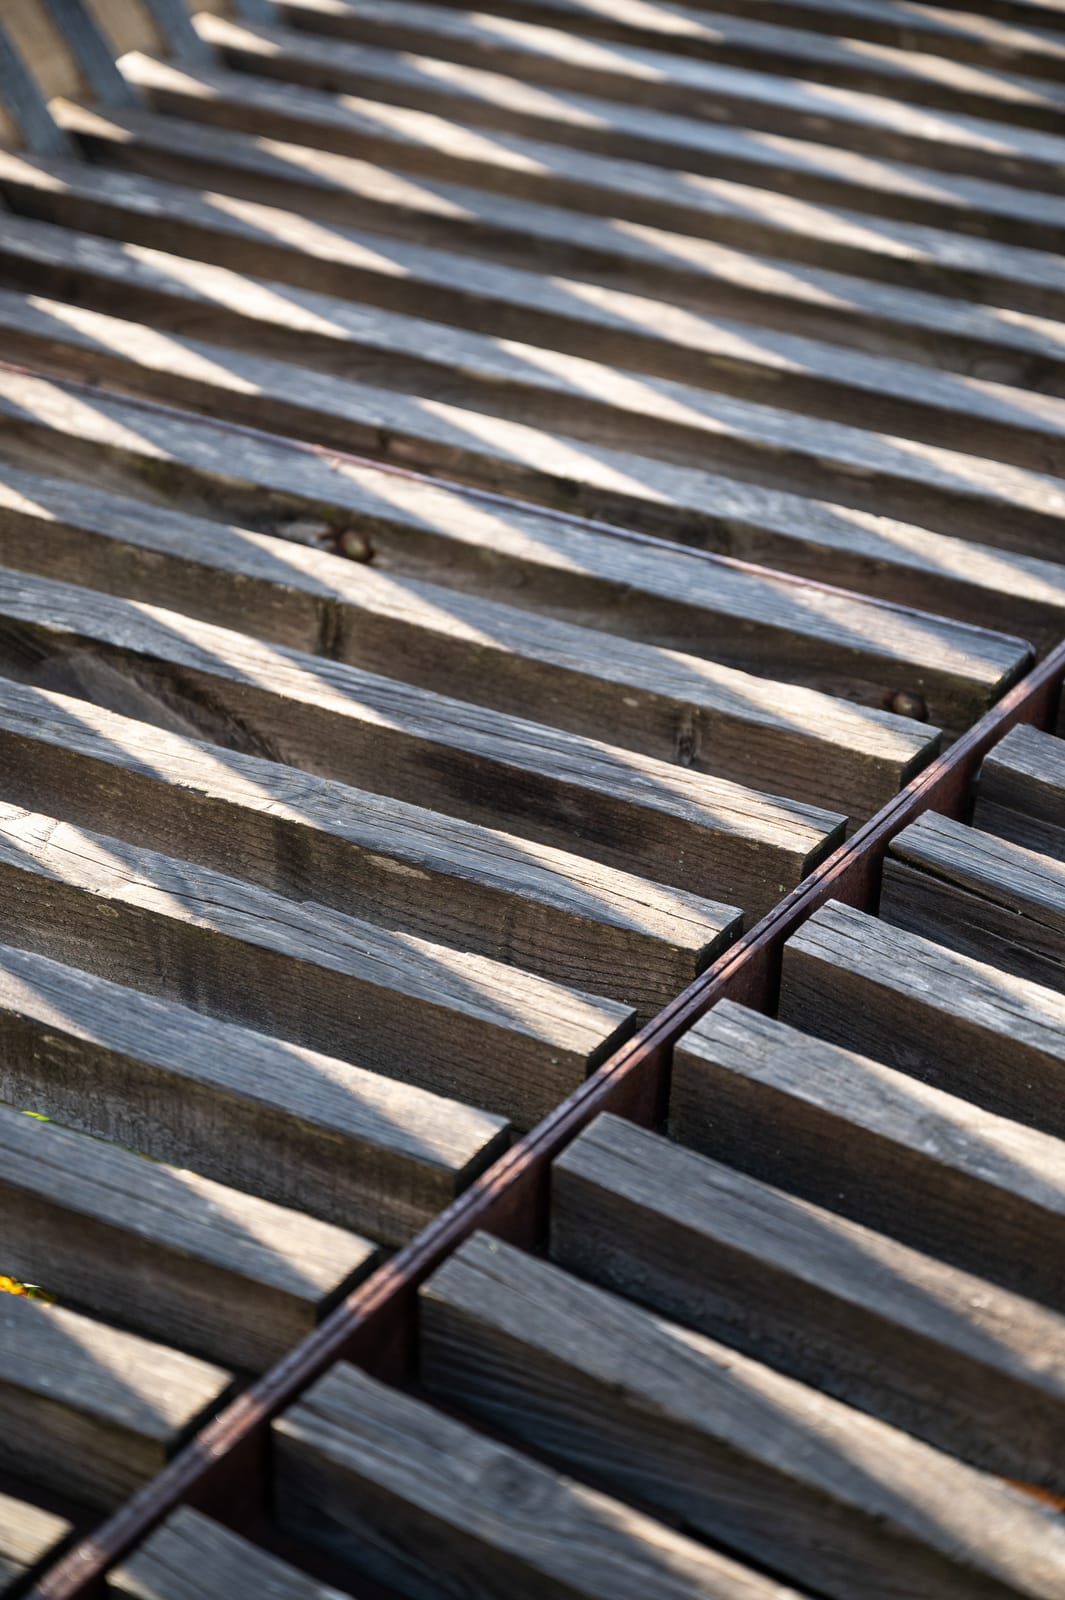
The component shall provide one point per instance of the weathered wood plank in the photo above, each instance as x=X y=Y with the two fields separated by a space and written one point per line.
x=666 y=822
x=647 y=330
x=396 y=865
x=628 y=197
x=445 y=1021
x=985 y=897
x=1021 y=793
x=412 y=1497
x=565 y=384
x=880 y=125
x=28 y=1536
x=974 y=1370
x=785 y=1475
x=760 y=621
x=944 y=1018
x=91 y=1411
x=862 y=1139
x=910 y=75
x=593 y=472
x=190 y=1557
x=285 y=1123
x=669 y=706
x=163 y=1251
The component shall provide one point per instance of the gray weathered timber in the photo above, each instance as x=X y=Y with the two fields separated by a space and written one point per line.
x=909 y=75
x=983 y=896
x=22 y=100
x=684 y=828
x=741 y=1453
x=673 y=707
x=973 y=1369
x=28 y=1537
x=336 y=138
x=91 y=1411
x=424 y=1503
x=90 y=47
x=452 y=1023
x=681 y=83
x=1021 y=793
x=761 y=621
x=862 y=1139
x=667 y=415
x=278 y=1121
x=958 y=494
x=163 y=1251
x=951 y=1021
x=645 y=330
x=558 y=915
x=180 y=39
x=192 y=1558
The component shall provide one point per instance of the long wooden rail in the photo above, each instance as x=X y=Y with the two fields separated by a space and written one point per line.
x=508 y=523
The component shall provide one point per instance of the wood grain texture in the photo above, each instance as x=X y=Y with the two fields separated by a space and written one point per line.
x=285 y=1123
x=90 y=1411
x=424 y=1503
x=822 y=1493
x=193 y=1558
x=673 y=82
x=956 y=1023
x=28 y=1536
x=342 y=133
x=163 y=1251
x=396 y=865
x=1021 y=792
x=861 y=1139
x=670 y=706
x=760 y=621
x=980 y=895
x=679 y=827
x=506 y=373
x=445 y=1021
x=974 y=1370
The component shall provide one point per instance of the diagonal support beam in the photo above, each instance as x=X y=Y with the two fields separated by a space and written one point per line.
x=92 y=51
x=21 y=98
x=183 y=44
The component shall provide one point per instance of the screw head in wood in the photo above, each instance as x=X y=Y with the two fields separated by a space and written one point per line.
x=906 y=704
x=355 y=545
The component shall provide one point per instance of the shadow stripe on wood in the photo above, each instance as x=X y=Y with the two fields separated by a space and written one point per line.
x=787 y=1476
x=975 y=1370
x=91 y=1411
x=452 y=1023
x=190 y=1554
x=861 y=1139
x=416 y=1499
x=162 y=1251
x=673 y=707
x=279 y=1121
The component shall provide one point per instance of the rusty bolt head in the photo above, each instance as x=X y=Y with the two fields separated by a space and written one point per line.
x=905 y=704
x=355 y=545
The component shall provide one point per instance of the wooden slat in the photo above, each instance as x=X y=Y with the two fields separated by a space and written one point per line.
x=675 y=826
x=756 y=620
x=21 y=100
x=983 y=896
x=959 y=1024
x=1021 y=793
x=820 y=1492
x=559 y=384
x=910 y=75
x=28 y=1536
x=278 y=1121
x=443 y=1020
x=91 y=1411
x=165 y=1252
x=957 y=35
x=419 y=1500
x=191 y=1556
x=631 y=198
x=862 y=1139
x=954 y=140
x=369 y=856
x=669 y=706
x=975 y=1370
x=949 y=490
